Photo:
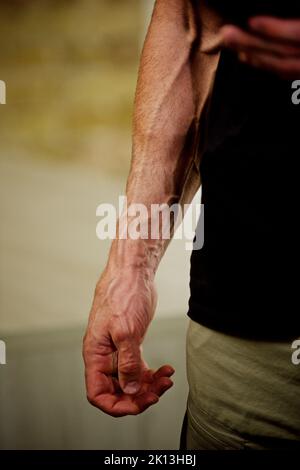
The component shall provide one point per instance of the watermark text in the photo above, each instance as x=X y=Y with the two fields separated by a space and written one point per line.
x=153 y=222
x=2 y=353
x=2 y=92
x=296 y=93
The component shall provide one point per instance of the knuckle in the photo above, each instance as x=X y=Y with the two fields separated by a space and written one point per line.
x=289 y=71
x=122 y=332
x=91 y=399
x=85 y=345
x=131 y=366
x=166 y=383
x=87 y=352
x=120 y=335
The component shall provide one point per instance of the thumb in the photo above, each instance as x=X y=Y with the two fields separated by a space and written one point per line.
x=130 y=366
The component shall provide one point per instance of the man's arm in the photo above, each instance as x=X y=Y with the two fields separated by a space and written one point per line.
x=169 y=98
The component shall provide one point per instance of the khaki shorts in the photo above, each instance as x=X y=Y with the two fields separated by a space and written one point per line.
x=242 y=393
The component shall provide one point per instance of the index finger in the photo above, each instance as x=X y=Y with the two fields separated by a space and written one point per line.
x=239 y=39
x=97 y=382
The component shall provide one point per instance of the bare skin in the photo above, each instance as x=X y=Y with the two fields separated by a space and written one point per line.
x=180 y=56
x=271 y=44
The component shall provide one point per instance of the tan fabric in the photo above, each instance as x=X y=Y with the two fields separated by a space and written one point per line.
x=247 y=387
x=250 y=387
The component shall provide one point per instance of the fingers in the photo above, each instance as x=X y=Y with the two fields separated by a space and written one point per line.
x=124 y=405
x=130 y=366
x=240 y=40
x=160 y=386
x=105 y=393
x=146 y=400
x=96 y=381
x=274 y=51
x=161 y=380
x=164 y=371
x=278 y=29
x=136 y=404
x=288 y=68
x=129 y=405
x=160 y=383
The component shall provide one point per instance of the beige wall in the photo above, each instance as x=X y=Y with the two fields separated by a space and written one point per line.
x=42 y=396
x=70 y=70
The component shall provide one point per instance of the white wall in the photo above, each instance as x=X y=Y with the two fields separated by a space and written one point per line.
x=50 y=255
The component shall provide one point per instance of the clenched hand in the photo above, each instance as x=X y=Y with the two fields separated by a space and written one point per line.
x=118 y=380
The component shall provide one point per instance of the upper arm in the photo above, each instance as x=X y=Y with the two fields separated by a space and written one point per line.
x=177 y=66
x=165 y=80
x=180 y=51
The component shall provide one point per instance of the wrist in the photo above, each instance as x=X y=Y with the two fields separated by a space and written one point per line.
x=134 y=256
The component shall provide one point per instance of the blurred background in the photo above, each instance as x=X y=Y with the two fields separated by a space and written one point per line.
x=70 y=68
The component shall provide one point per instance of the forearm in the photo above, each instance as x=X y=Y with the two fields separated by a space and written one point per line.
x=164 y=129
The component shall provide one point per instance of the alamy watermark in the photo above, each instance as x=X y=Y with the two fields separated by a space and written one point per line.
x=296 y=93
x=2 y=92
x=2 y=353
x=153 y=222
x=296 y=353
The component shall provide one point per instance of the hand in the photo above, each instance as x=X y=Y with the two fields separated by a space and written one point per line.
x=271 y=44
x=118 y=381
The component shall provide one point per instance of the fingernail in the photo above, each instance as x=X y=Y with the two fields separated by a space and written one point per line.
x=154 y=400
x=229 y=34
x=171 y=370
x=132 y=388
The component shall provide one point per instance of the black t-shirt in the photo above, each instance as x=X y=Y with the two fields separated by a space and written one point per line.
x=245 y=278
x=237 y=11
